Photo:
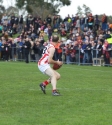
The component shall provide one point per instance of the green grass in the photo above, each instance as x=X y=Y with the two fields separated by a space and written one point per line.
x=86 y=96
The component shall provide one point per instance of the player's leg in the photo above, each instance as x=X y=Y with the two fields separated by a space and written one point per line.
x=46 y=82
x=54 y=77
x=57 y=75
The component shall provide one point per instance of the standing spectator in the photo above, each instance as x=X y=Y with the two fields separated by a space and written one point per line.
x=36 y=49
x=106 y=53
x=6 y=51
x=3 y=50
x=20 y=27
x=87 y=51
x=82 y=21
x=69 y=21
x=54 y=22
x=76 y=48
x=32 y=55
x=27 y=46
x=58 y=22
x=97 y=22
x=66 y=23
x=86 y=21
x=99 y=49
x=49 y=32
x=78 y=24
x=104 y=22
x=68 y=53
x=20 y=49
x=4 y=20
x=16 y=20
x=29 y=20
x=12 y=21
x=13 y=50
x=9 y=42
x=90 y=21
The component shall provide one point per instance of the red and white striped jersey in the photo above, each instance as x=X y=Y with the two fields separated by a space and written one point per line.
x=44 y=59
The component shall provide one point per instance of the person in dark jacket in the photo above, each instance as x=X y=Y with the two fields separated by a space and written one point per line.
x=27 y=46
x=20 y=23
x=36 y=49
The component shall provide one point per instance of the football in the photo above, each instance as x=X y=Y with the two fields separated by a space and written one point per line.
x=56 y=67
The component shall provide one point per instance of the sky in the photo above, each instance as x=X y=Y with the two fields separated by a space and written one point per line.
x=97 y=7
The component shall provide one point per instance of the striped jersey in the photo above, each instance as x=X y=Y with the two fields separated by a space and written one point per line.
x=44 y=59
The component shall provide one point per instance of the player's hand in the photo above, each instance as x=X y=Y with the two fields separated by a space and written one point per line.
x=59 y=63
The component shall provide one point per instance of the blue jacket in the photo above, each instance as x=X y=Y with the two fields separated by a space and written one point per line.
x=20 y=48
x=0 y=45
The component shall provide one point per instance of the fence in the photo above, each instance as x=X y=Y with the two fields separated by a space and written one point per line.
x=79 y=57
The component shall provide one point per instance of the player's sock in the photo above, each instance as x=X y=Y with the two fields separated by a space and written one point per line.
x=45 y=83
x=54 y=90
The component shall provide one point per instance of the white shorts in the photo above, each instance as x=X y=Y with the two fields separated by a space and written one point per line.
x=43 y=68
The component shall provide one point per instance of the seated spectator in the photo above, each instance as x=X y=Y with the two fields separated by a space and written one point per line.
x=14 y=29
x=63 y=32
x=1 y=28
x=10 y=32
x=6 y=35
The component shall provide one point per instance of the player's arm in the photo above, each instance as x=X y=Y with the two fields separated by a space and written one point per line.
x=50 y=58
x=51 y=54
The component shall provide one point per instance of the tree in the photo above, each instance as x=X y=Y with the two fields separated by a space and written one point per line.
x=2 y=10
x=12 y=10
x=53 y=6
x=1 y=1
x=79 y=11
x=84 y=10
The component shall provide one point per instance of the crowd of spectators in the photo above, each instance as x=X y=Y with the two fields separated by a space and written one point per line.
x=81 y=38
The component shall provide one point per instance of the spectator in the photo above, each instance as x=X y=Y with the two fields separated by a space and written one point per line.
x=27 y=46
x=0 y=48
x=20 y=21
x=20 y=49
x=49 y=20
x=104 y=22
x=90 y=21
x=36 y=49
x=13 y=50
x=12 y=21
x=97 y=22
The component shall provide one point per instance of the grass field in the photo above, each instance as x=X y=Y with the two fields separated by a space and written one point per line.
x=86 y=96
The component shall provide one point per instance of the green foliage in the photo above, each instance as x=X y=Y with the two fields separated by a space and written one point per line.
x=110 y=19
x=86 y=96
x=79 y=10
x=84 y=10
x=1 y=1
x=53 y=5
x=20 y=3
x=2 y=10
